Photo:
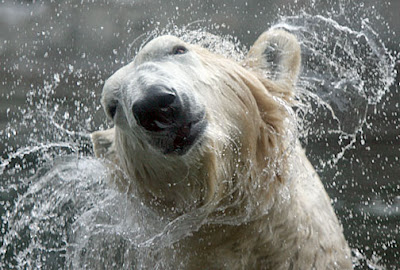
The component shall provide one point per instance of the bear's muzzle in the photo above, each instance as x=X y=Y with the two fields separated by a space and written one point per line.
x=167 y=117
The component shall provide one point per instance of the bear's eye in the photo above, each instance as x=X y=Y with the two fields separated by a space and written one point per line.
x=112 y=108
x=179 y=50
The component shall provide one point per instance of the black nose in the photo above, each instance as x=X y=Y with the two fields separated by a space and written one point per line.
x=158 y=109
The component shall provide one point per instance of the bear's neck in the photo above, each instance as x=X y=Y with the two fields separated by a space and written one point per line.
x=174 y=184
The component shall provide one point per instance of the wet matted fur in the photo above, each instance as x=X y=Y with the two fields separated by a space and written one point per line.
x=263 y=205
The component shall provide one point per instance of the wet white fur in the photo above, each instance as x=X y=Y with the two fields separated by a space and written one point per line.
x=265 y=205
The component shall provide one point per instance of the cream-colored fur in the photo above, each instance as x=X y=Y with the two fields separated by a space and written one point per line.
x=263 y=205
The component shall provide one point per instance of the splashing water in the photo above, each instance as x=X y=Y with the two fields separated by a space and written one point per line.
x=58 y=210
x=344 y=73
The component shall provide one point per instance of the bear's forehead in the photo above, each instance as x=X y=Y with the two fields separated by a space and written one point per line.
x=157 y=47
x=162 y=41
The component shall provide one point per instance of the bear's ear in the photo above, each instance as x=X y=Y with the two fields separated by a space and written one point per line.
x=103 y=143
x=277 y=53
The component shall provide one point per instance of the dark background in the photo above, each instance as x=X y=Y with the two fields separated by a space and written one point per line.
x=70 y=47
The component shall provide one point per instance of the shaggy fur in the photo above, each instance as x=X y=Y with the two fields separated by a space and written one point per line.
x=264 y=204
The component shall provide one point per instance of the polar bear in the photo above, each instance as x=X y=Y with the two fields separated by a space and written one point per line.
x=195 y=130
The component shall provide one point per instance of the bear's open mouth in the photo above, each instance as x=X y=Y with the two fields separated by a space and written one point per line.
x=187 y=135
x=178 y=139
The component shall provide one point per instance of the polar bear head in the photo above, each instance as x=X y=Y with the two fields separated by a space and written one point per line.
x=156 y=99
x=192 y=128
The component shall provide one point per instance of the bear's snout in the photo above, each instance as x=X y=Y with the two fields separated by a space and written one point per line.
x=170 y=119
x=158 y=109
